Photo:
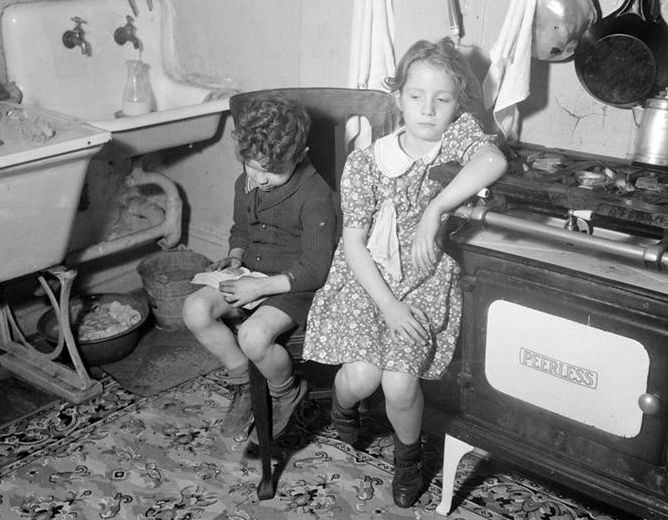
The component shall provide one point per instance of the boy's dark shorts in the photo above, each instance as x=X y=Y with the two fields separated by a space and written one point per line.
x=294 y=304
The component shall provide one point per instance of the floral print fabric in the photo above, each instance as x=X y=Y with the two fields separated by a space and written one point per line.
x=344 y=323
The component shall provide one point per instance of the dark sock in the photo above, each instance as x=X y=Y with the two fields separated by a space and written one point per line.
x=408 y=453
x=348 y=413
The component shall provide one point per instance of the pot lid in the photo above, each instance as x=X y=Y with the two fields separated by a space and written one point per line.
x=659 y=101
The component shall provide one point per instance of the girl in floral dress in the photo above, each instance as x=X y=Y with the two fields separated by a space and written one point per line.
x=390 y=309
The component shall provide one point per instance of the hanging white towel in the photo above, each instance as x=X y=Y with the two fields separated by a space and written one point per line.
x=383 y=243
x=371 y=56
x=507 y=80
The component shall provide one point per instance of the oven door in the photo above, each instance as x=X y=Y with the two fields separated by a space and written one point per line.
x=565 y=361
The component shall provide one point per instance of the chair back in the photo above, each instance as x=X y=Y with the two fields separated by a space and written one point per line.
x=330 y=109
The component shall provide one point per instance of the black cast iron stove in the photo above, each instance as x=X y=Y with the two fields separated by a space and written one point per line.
x=564 y=345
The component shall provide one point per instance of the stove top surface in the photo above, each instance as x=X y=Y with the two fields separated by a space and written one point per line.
x=565 y=254
x=555 y=179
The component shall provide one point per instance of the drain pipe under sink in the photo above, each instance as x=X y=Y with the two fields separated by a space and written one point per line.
x=167 y=233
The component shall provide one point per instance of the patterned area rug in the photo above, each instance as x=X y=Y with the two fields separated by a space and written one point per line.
x=121 y=456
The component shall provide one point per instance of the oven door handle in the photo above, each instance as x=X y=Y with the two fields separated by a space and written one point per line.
x=651 y=256
x=650 y=404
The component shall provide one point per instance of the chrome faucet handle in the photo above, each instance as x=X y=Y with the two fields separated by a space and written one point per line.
x=78 y=21
x=128 y=33
x=77 y=37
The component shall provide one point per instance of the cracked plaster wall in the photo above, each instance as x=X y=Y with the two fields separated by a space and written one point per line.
x=260 y=44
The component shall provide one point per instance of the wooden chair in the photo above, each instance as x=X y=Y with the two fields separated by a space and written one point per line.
x=330 y=109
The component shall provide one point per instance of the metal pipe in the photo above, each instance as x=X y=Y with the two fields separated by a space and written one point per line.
x=453 y=19
x=168 y=232
x=651 y=256
x=173 y=206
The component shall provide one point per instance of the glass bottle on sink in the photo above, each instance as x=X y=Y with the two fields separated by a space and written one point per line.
x=137 y=92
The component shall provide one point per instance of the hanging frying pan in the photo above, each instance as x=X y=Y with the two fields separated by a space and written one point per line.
x=623 y=58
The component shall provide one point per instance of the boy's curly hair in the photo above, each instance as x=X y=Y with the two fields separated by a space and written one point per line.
x=443 y=54
x=272 y=130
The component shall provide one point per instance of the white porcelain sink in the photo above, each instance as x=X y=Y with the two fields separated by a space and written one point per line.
x=90 y=87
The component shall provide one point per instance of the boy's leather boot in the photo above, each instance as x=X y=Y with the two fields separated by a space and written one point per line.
x=408 y=481
x=285 y=398
x=239 y=416
x=346 y=421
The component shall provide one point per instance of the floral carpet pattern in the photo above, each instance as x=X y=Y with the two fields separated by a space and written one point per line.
x=120 y=456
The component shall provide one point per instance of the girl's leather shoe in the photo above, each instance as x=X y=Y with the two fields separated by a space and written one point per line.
x=407 y=484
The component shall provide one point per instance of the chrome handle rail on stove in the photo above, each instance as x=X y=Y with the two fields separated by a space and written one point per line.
x=651 y=256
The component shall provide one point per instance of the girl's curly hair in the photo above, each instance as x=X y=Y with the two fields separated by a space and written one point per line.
x=443 y=54
x=272 y=130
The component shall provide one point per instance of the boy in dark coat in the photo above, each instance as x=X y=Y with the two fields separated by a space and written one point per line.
x=285 y=227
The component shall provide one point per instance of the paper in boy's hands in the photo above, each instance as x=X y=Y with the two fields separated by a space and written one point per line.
x=213 y=279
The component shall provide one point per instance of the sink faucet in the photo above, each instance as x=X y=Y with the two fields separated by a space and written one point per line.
x=77 y=37
x=128 y=33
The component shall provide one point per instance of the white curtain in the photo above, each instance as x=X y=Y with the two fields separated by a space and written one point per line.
x=371 y=57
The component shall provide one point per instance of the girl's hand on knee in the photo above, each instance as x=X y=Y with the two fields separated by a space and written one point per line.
x=406 y=322
x=425 y=252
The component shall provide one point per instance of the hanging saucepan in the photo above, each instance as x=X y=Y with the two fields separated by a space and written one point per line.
x=623 y=58
x=558 y=26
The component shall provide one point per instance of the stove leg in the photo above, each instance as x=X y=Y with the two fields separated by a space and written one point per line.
x=453 y=451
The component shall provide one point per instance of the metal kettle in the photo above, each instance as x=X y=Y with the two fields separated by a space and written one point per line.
x=651 y=143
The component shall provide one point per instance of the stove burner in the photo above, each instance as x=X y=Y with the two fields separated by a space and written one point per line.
x=632 y=196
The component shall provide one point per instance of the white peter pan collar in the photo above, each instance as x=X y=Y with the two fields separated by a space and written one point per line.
x=391 y=158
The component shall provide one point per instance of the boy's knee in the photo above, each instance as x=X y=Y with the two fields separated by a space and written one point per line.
x=254 y=339
x=196 y=312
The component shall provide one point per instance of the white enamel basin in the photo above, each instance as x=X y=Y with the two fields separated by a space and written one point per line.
x=52 y=76
x=43 y=162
